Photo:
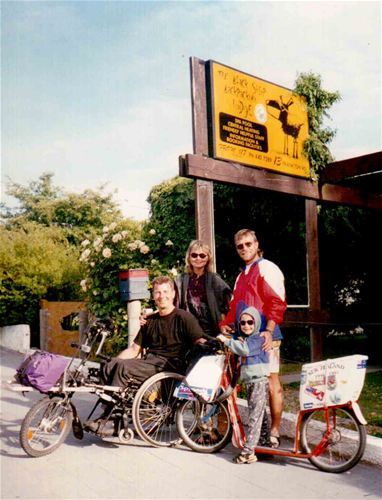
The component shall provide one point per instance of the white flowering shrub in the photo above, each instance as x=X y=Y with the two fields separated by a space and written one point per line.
x=104 y=257
x=351 y=293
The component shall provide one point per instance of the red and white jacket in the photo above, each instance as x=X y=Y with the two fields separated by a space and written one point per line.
x=262 y=287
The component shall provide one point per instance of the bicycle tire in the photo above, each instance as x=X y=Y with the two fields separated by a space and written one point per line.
x=346 y=443
x=204 y=427
x=154 y=409
x=45 y=426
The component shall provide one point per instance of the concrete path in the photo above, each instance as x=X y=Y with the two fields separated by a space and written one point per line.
x=93 y=468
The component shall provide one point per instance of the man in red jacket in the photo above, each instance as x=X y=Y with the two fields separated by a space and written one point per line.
x=261 y=285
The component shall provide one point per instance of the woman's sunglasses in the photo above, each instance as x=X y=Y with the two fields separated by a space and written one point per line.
x=248 y=244
x=196 y=255
x=249 y=322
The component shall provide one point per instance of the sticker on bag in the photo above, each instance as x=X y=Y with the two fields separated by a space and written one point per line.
x=332 y=381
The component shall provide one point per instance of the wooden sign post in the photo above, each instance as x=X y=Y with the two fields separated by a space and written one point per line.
x=249 y=132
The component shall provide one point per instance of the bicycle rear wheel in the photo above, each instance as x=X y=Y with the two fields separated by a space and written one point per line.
x=346 y=443
x=46 y=426
x=154 y=409
x=204 y=427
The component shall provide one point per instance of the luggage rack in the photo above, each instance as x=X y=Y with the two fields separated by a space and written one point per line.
x=15 y=386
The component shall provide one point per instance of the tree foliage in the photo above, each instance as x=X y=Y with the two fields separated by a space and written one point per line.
x=116 y=249
x=41 y=245
x=35 y=262
x=76 y=214
x=319 y=101
x=172 y=216
x=349 y=261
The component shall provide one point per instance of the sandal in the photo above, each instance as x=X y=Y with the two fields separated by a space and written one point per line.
x=275 y=441
x=245 y=458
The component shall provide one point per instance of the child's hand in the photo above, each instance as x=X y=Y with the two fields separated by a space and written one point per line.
x=221 y=337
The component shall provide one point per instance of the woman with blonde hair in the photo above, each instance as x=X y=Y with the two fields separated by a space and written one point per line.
x=201 y=291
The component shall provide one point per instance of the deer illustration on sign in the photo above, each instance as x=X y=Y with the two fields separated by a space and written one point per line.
x=289 y=128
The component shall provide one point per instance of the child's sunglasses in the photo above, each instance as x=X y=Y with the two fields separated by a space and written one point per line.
x=248 y=322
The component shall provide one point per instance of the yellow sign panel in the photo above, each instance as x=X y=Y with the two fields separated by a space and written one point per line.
x=257 y=123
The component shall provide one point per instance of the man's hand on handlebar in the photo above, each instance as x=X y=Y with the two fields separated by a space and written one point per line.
x=226 y=330
x=200 y=340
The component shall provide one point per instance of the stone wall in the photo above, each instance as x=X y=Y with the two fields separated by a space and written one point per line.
x=15 y=337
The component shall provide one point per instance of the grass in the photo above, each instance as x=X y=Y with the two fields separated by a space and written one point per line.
x=371 y=403
x=286 y=367
x=370 y=400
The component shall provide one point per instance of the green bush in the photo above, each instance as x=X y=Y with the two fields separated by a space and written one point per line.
x=103 y=257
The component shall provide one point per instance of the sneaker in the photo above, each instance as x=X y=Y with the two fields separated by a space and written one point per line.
x=245 y=458
x=98 y=426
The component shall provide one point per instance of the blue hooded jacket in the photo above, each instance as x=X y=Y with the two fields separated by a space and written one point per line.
x=254 y=361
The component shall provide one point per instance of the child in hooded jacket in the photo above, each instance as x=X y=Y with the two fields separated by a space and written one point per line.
x=254 y=374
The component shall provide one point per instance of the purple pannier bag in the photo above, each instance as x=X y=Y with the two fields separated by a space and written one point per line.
x=41 y=370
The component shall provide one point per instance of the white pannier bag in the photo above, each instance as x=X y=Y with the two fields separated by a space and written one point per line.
x=204 y=378
x=332 y=382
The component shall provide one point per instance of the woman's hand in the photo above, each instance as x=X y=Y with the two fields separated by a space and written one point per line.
x=144 y=315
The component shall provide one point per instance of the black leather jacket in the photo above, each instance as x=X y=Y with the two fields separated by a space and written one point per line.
x=217 y=291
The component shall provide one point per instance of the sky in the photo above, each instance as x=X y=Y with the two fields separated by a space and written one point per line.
x=98 y=92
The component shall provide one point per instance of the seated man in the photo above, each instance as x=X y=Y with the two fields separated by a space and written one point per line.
x=166 y=337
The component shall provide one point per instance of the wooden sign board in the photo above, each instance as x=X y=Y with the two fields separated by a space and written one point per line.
x=255 y=122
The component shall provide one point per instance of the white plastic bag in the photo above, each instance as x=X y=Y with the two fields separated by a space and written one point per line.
x=332 y=382
x=204 y=378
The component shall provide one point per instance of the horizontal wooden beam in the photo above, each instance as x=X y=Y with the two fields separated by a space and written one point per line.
x=202 y=167
x=308 y=317
x=353 y=167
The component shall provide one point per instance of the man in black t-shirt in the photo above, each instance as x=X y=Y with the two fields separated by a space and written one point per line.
x=166 y=337
x=163 y=340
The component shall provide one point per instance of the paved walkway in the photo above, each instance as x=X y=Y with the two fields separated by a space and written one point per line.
x=92 y=468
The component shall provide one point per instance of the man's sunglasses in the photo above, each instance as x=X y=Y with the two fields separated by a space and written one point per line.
x=248 y=244
x=196 y=255
x=249 y=322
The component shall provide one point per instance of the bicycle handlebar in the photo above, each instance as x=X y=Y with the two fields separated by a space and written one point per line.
x=104 y=334
x=212 y=342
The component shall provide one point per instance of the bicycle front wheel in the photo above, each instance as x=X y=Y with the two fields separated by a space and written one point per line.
x=204 y=427
x=346 y=442
x=154 y=409
x=46 y=426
